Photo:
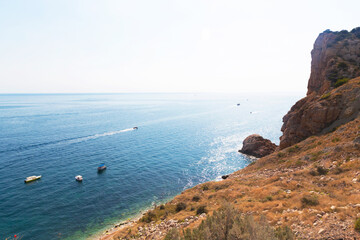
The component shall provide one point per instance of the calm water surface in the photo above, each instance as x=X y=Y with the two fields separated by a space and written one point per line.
x=182 y=140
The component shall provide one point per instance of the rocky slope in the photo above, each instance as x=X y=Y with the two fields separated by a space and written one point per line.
x=335 y=60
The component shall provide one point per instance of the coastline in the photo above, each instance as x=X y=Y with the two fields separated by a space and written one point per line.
x=108 y=232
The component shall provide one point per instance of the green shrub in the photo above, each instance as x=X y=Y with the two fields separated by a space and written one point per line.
x=322 y=170
x=357 y=225
x=341 y=81
x=315 y=156
x=205 y=187
x=280 y=154
x=335 y=140
x=229 y=223
x=162 y=207
x=180 y=206
x=293 y=149
x=325 y=95
x=269 y=198
x=149 y=217
x=202 y=209
x=309 y=200
x=196 y=198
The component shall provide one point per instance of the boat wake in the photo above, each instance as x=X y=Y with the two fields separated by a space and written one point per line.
x=82 y=139
x=67 y=141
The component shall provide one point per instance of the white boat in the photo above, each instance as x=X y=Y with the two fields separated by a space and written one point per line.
x=79 y=178
x=32 y=178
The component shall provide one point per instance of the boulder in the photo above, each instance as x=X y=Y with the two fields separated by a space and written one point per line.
x=257 y=146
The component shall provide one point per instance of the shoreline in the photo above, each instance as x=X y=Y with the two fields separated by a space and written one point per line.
x=106 y=233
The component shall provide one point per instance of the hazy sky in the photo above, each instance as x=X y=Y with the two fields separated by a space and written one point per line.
x=163 y=46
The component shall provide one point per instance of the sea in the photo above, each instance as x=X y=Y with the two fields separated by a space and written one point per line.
x=182 y=139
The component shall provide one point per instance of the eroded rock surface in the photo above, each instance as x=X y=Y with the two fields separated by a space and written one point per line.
x=328 y=104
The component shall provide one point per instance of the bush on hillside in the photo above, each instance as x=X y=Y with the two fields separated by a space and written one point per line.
x=202 y=209
x=180 y=206
x=310 y=200
x=341 y=81
x=196 y=198
x=357 y=225
x=229 y=223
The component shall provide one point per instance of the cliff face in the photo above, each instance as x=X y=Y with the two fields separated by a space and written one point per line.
x=335 y=60
x=336 y=55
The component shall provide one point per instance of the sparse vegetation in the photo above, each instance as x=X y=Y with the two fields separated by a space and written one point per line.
x=322 y=170
x=315 y=156
x=269 y=198
x=293 y=149
x=310 y=200
x=196 y=198
x=148 y=217
x=205 y=187
x=180 y=206
x=202 y=209
x=325 y=95
x=341 y=81
x=229 y=224
x=357 y=225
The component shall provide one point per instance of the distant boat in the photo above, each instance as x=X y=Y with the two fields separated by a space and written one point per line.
x=238 y=104
x=135 y=128
x=32 y=178
x=79 y=178
x=101 y=167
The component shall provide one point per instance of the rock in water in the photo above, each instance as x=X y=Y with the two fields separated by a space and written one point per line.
x=257 y=146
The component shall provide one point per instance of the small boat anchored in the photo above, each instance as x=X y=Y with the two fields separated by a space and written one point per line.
x=101 y=167
x=32 y=178
x=135 y=128
x=79 y=178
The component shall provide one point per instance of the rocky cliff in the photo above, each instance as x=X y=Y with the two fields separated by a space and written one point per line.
x=336 y=55
x=335 y=60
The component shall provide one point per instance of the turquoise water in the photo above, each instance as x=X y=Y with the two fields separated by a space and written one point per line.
x=182 y=140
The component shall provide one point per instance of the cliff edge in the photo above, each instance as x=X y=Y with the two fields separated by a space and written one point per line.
x=335 y=60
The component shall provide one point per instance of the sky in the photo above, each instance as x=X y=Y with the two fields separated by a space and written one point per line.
x=115 y=46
